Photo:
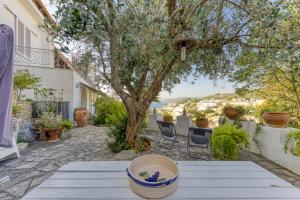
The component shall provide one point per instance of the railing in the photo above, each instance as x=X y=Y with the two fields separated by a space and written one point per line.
x=58 y=108
x=43 y=57
x=33 y=56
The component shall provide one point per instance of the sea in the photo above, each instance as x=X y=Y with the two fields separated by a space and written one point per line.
x=157 y=105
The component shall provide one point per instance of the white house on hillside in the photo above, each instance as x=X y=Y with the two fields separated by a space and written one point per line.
x=34 y=52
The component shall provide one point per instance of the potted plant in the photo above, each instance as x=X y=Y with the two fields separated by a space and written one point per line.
x=81 y=116
x=67 y=125
x=276 y=119
x=234 y=112
x=200 y=119
x=167 y=117
x=293 y=141
x=51 y=125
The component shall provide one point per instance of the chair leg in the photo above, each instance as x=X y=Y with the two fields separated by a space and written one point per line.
x=209 y=152
x=166 y=147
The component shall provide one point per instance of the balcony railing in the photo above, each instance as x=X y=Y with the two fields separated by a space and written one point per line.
x=43 y=57
x=33 y=56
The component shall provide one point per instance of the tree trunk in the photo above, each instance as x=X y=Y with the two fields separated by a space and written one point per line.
x=135 y=119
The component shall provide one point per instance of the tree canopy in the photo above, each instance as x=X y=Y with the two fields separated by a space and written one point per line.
x=137 y=44
x=274 y=72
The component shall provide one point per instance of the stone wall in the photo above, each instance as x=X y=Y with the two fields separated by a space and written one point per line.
x=26 y=110
x=182 y=123
x=22 y=123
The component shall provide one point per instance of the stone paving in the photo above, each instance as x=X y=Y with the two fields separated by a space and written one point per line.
x=40 y=160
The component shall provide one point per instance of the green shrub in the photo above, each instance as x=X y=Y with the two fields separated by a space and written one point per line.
x=67 y=124
x=293 y=136
x=105 y=106
x=24 y=80
x=117 y=123
x=16 y=109
x=227 y=140
x=113 y=114
x=49 y=120
x=225 y=148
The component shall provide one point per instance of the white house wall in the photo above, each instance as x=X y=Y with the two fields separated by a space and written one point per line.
x=27 y=13
x=78 y=83
x=53 y=78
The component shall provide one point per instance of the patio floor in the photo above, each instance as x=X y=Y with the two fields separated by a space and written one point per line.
x=40 y=160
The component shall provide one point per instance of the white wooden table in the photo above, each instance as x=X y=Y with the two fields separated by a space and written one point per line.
x=197 y=180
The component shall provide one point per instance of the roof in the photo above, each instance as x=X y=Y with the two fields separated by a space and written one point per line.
x=42 y=8
x=62 y=61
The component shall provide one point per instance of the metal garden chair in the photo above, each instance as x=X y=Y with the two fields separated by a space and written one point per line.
x=200 y=138
x=167 y=132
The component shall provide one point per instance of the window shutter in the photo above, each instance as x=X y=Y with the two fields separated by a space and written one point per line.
x=20 y=34
x=28 y=42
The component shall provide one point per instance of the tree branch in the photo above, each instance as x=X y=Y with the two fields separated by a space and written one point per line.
x=238 y=6
x=219 y=18
x=171 y=5
x=155 y=86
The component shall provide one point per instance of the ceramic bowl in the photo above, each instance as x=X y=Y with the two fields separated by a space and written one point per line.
x=153 y=176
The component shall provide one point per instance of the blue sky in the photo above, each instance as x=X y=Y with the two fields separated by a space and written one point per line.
x=202 y=87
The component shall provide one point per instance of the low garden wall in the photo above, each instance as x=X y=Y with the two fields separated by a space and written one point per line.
x=271 y=145
x=270 y=140
x=182 y=123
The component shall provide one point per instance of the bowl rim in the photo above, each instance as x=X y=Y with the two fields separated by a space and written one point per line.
x=152 y=184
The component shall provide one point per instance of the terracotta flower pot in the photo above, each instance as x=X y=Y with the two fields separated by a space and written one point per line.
x=168 y=119
x=42 y=136
x=81 y=117
x=276 y=119
x=202 y=123
x=52 y=133
x=231 y=113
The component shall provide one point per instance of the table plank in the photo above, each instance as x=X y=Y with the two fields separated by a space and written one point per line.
x=199 y=183
x=199 y=193
x=139 y=198
x=192 y=175
x=226 y=168
x=107 y=165
x=197 y=180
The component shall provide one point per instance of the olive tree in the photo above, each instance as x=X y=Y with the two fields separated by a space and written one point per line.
x=273 y=72
x=141 y=47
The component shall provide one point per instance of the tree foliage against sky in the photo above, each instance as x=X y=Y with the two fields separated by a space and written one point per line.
x=274 y=72
x=132 y=41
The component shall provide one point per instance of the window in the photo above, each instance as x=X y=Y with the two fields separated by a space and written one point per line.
x=23 y=39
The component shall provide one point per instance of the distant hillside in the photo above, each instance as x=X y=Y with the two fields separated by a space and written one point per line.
x=173 y=100
x=227 y=96
x=183 y=100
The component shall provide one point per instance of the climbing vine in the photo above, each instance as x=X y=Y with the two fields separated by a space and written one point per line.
x=237 y=123
x=256 y=135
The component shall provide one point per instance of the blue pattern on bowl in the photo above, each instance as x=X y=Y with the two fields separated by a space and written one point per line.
x=151 y=184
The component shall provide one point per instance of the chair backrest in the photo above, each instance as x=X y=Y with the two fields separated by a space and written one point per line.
x=200 y=135
x=166 y=128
